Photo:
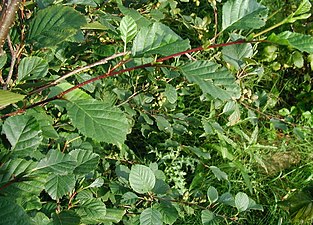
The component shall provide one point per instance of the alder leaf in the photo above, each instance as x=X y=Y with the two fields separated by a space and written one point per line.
x=128 y=28
x=141 y=179
x=99 y=120
x=243 y=14
x=219 y=83
x=32 y=68
x=58 y=185
x=158 y=39
x=8 y=97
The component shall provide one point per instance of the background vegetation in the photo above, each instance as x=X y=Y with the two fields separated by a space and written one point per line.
x=156 y=112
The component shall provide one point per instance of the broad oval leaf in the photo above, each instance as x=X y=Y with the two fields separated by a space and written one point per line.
x=207 y=217
x=212 y=194
x=8 y=97
x=235 y=54
x=150 y=217
x=128 y=28
x=86 y=161
x=23 y=133
x=58 y=185
x=141 y=179
x=66 y=217
x=99 y=120
x=241 y=201
x=168 y=212
x=56 y=162
x=32 y=68
x=158 y=39
x=92 y=211
x=219 y=174
x=298 y=41
x=219 y=83
x=54 y=25
x=243 y=14
x=12 y=213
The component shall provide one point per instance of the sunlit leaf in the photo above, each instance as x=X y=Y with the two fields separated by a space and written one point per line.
x=158 y=39
x=92 y=211
x=86 y=161
x=99 y=120
x=128 y=28
x=23 y=133
x=241 y=201
x=212 y=194
x=219 y=83
x=150 y=216
x=141 y=179
x=243 y=14
x=170 y=93
x=8 y=97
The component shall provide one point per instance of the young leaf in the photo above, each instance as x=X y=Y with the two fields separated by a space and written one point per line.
x=212 y=194
x=86 y=161
x=141 y=179
x=150 y=217
x=158 y=39
x=241 y=201
x=298 y=41
x=56 y=162
x=128 y=28
x=23 y=133
x=243 y=14
x=32 y=68
x=170 y=93
x=12 y=213
x=54 y=25
x=66 y=217
x=8 y=97
x=92 y=211
x=58 y=185
x=219 y=83
x=98 y=120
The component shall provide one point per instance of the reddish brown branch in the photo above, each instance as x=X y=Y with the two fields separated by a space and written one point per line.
x=113 y=73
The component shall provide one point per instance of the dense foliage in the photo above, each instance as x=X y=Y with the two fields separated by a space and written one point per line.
x=156 y=112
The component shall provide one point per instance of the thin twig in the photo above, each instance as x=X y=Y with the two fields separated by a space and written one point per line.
x=78 y=70
x=13 y=60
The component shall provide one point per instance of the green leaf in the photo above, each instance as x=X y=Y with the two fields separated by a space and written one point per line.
x=15 y=168
x=113 y=215
x=83 y=2
x=66 y=217
x=150 y=217
x=23 y=133
x=158 y=39
x=141 y=179
x=128 y=28
x=212 y=194
x=304 y=7
x=32 y=68
x=170 y=93
x=207 y=217
x=86 y=161
x=92 y=211
x=219 y=174
x=219 y=83
x=163 y=124
x=56 y=162
x=235 y=54
x=302 y=42
x=11 y=213
x=99 y=121
x=241 y=201
x=45 y=122
x=227 y=199
x=243 y=14
x=54 y=25
x=59 y=185
x=129 y=198
x=3 y=59
x=40 y=219
x=8 y=97
x=140 y=20
x=168 y=212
